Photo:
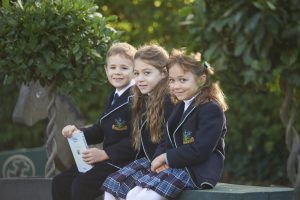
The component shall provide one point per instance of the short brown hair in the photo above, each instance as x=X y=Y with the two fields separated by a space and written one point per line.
x=121 y=48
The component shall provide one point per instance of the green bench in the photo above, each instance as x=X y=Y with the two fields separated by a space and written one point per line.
x=40 y=189
x=224 y=191
x=31 y=162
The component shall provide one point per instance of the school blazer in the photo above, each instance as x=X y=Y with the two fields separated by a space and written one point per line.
x=114 y=129
x=196 y=140
x=148 y=148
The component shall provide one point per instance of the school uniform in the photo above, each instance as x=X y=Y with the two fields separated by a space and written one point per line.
x=194 y=147
x=113 y=129
x=119 y=183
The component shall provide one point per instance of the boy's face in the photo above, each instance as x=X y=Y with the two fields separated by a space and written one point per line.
x=119 y=71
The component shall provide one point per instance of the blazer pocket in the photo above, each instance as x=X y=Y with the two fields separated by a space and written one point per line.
x=119 y=125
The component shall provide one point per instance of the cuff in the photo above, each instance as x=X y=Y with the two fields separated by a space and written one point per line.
x=166 y=159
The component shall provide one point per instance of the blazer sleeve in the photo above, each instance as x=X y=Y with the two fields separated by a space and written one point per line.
x=120 y=152
x=210 y=122
x=93 y=134
x=162 y=147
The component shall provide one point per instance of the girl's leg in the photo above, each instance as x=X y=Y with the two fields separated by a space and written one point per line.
x=147 y=194
x=109 y=196
x=133 y=193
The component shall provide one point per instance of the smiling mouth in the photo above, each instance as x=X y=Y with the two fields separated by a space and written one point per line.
x=142 y=86
x=178 y=93
x=117 y=79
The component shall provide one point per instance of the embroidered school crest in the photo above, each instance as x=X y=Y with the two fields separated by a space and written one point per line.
x=119 y=125
x=187 y=137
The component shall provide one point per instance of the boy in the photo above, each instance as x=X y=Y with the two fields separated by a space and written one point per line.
x=113 y=130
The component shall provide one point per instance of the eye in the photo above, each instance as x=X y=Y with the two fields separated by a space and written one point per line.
x=125 y=68
x=147 y=73
x=112 y=67
x=135 y=74
x=171 y=80
x=182 y=80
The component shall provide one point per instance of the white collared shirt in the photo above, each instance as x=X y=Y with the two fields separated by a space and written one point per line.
x=120 y=92
x=187 y=103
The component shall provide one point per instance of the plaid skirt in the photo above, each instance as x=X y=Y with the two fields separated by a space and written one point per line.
x=168 y=183
x=123 y=180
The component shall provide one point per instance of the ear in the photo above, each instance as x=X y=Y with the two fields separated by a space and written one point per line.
x=202 y=77
x=201 y=80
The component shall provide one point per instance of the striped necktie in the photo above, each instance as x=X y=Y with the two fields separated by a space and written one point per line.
x=116 y=96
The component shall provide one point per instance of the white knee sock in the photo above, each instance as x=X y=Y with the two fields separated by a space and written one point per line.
x=133 y=193
x=109 y=196
x=147 y=194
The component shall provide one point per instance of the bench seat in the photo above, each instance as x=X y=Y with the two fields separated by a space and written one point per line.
x=40 y=189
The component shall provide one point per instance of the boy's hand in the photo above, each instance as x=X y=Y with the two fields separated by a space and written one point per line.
x=93 y=155
x=68 y=130
x=158 y=162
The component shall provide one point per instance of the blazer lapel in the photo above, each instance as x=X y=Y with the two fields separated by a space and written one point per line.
x=122 y=100
x=174 y=120
x=174 y=124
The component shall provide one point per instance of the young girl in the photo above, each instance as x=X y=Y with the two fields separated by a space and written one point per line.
x=192 y=155
x=151 y=107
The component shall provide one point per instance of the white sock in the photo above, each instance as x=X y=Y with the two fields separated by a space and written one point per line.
x=131 y=195
x=147 y=194
x=109 y=196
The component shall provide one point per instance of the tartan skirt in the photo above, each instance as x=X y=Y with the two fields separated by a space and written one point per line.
x=122 y=181
x=168 y=183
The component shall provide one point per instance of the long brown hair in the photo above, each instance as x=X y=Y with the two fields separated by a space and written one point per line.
x=208 y=90
x=152 y=105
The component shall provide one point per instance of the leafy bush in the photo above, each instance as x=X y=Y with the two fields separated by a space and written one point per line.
x=60 y=42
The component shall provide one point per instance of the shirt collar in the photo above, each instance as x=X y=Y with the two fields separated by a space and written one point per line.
x=187 y=103
x=120 y=92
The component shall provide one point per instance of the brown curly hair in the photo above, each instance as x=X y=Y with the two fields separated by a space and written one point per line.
x=206 y=92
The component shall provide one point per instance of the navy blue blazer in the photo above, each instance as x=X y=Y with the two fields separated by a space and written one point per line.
x=147 y=148
x=114 y=129
x=195 y=141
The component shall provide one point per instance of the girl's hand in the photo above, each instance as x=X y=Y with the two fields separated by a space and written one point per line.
x=68 y=130
x=93 y=155
x=162 y=168
x=158 y=162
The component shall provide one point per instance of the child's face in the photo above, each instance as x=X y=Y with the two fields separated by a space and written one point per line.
x=146 y=76
x=182 y=84
x=119 y=71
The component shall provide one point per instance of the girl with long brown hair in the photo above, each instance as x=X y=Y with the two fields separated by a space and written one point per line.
x=192 y=156
x=151 y=106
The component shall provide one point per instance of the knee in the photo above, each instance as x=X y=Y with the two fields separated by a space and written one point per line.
x=108 y=196
x=77 y=185
x=148 y=194
x=132 y=194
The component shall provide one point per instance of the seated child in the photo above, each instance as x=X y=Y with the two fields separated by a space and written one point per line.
x=113 y=129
